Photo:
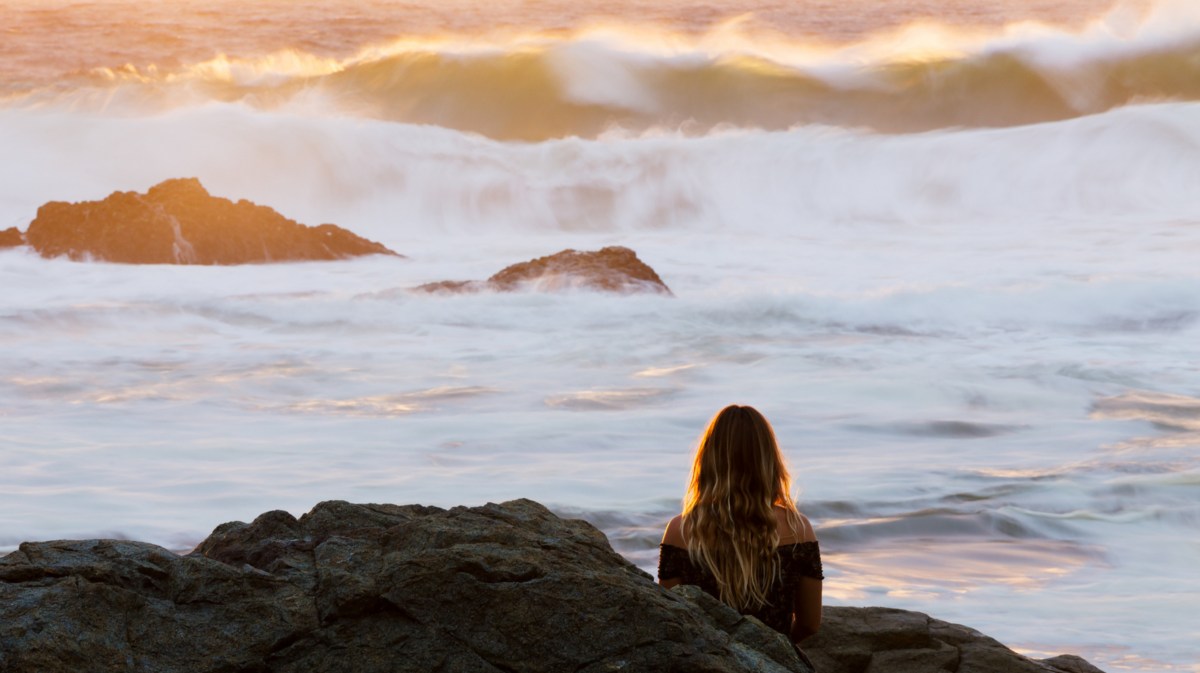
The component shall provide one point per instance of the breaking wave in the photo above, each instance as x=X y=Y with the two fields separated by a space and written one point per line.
x=538 y=86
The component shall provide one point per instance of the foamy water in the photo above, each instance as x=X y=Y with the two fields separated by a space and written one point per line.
x=972 y=324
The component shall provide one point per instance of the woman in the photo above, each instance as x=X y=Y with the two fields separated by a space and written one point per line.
x=740 y=536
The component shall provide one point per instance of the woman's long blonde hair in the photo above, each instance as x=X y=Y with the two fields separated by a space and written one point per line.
x=738 y=478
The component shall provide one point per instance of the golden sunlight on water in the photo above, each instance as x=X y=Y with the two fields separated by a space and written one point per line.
x=937 y=567
x=383 y=406
x=113 y=34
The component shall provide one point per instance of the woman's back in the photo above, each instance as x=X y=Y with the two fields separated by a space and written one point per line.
x=740 y=536
x=799 y=559
x=792 y=527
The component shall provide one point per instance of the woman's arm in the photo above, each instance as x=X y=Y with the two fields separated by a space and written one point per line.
x=806 y=604
x=806 y=609
x=672 y=536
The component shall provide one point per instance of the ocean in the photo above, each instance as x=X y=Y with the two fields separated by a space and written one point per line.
x=950 y=249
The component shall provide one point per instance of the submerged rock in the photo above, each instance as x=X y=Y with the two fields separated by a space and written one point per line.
x=366 y=588
x=178 y=222
x=11 y=238
x=610 y=269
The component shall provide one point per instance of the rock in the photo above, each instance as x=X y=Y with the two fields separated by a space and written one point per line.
x=454 y=286
x=757 y=646
x=886 y=640
x=178 y=222
x=611 y=269
x=11 y=238
x=368 y=588
x=374 y=588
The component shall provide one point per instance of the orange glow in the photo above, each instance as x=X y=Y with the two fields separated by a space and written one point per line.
x=930 y=569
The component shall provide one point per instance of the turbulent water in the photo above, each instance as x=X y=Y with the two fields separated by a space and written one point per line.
x=951 y=251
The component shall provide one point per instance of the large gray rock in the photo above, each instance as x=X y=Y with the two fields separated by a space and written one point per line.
x=178 y=222
x=368 y=588
x=611 y=269
x=375 y=588
x=885 y=640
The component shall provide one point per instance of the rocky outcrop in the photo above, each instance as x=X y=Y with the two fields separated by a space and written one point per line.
x=368 y=588
x=11 y=238
x=178 y=222
x=387 y=588
x=885 y=640
x=611 y=269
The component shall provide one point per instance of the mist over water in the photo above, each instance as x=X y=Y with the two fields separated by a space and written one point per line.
x=954 y=263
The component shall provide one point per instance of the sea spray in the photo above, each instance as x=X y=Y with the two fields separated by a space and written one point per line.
x=539 y=86
x=395 y=181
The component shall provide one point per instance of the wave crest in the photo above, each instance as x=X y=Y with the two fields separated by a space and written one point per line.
x=540 y=86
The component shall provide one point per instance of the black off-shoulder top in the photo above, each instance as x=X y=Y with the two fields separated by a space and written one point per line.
x=802 y=559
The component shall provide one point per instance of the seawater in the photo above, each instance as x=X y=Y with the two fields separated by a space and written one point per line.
x=953 y=261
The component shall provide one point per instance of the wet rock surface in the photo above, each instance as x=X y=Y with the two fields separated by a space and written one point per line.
x=611 y=269
x=179 y=222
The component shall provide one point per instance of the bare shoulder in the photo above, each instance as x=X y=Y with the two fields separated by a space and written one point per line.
x=674 y=533
x=793 y=526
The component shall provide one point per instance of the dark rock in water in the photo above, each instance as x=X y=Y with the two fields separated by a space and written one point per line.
x=611 y=269
x=178 y=222
x=454 y=286
x=11 y=238
x=615 y=269
x=859 y=640
x=368 y=588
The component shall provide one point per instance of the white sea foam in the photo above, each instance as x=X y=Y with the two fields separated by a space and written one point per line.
x=1127 y=172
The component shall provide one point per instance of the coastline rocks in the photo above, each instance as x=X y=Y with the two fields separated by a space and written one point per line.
x=886 y=640
x=368 y=588
x=610 y=269
x=11 y=238
x=178 y=222
x=387 y=588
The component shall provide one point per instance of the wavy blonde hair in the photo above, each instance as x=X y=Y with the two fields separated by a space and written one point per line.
x=738 y=477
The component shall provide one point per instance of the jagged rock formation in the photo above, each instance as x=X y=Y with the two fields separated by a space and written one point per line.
x=11 y=238
x=367 y=588
x=178 y=222
x=387 y=588
x=611 y=269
